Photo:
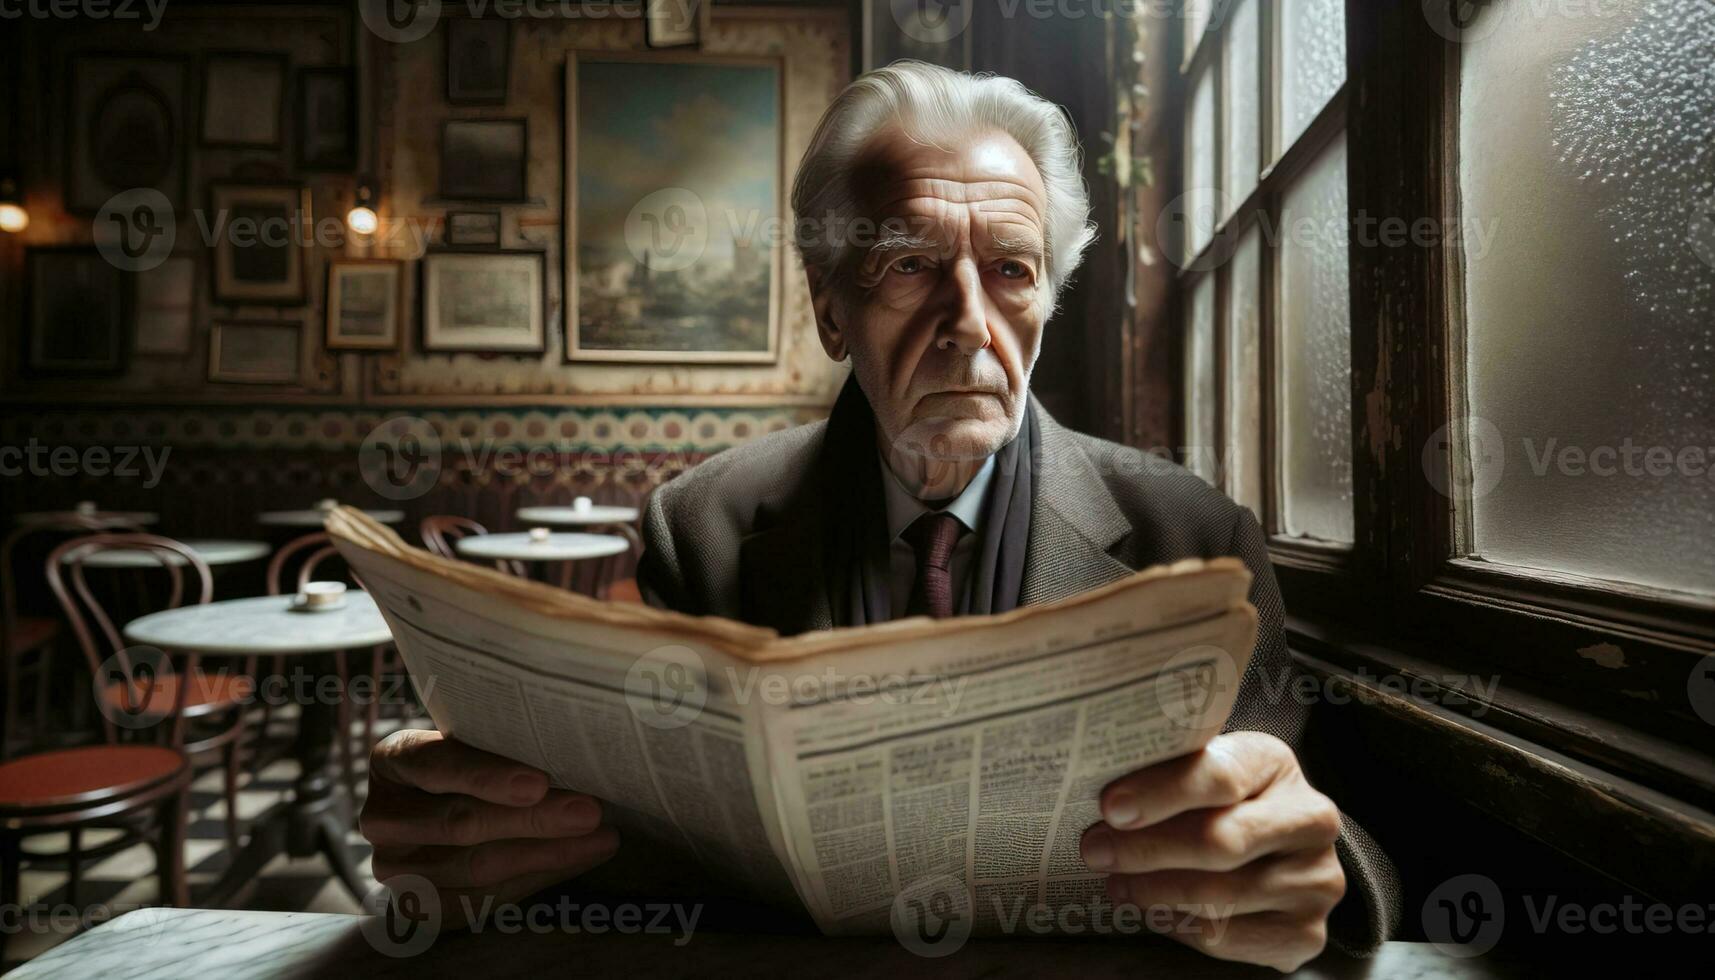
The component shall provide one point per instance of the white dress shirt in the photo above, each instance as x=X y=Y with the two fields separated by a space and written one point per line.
x=902 y=509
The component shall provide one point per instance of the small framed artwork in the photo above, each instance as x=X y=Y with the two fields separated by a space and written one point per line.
x=259 y=234
x=125 y=129
x=479 y=60
x=76 y=311
x=483 y=159
x=243 y=100
x=258 y=352
x=484 y=301
x=675 y=23
x=165 y=308
x=327 y=126
x=363 y=304
x=477 y=228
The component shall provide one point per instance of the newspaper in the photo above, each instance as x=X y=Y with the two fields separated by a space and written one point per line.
x=840 y=769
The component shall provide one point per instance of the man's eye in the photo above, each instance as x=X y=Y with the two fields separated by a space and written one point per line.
x=909 y=265
x=1014 y=270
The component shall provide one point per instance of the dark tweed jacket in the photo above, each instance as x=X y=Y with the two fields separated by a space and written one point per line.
x=741 y=534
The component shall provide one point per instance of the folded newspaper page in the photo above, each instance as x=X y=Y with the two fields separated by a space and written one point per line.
x=844 y=769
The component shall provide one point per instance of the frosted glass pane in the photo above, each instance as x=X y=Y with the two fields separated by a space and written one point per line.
x=1244 y=373
x=1241 y=107
x=1312 y=63
x=1315 y=353
x=1200 y=209
x=1200 y=450
x=1589 y=237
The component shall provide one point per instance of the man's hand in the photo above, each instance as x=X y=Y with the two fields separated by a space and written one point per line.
x=474 y=824
x=1234 y=831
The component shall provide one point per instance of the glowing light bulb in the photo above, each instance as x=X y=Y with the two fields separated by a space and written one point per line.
x=362 y=220
x=13 y=218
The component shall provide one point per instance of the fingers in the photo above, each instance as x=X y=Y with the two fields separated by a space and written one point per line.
x=1282 y=940
x=1218 y=839
x=1308 y=882
x=436 y=764
x=489 y=866
x=400 y=816
x=1231 y=768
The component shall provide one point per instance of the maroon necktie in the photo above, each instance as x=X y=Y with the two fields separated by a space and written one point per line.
x=932 y=537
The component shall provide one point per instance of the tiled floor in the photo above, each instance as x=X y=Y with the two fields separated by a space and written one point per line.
x=125 y=880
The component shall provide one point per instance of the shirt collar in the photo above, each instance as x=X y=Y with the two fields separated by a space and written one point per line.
x=903 y=508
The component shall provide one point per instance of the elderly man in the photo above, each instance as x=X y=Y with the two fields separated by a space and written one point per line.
x=950 y=212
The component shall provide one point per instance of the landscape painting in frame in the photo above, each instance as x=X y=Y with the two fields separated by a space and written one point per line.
x=675 y=238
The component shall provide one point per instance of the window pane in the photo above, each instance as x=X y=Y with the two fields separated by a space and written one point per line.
x=1315 y=353
x=1241 y=105
x=1200 y=166
x=1312 y=63
x=1244 y=373
x=1200 y=453
x=1589 y=249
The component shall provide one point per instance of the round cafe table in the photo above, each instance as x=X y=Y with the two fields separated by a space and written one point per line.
x=213 y=552
x=595 y=514
x=105 y=518
x=316 y=817
x=314 y=516
x=561 y=546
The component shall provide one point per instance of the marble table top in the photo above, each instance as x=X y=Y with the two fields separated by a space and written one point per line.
x=267 y=624
x=561 y=546
x=171 y=944
x=211 y=551
x=578 y=516
x=115 y=518
x=314 y=516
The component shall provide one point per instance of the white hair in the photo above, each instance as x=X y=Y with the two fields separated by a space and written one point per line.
x=939 y=107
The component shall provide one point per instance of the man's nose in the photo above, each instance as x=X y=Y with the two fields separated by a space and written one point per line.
x=964 y=325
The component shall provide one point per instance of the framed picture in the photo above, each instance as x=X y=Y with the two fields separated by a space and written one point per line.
x=125 y=125
x=261 y=352
x=483 y=159
x=673 y=262
x=484 y=301
x=479 y=60
x=363 y=304
x=165 y=308
x=243 y=99
x=675 y=23
x=75 y=311
x=327 y=124
x=473 y=228
x=259 y=242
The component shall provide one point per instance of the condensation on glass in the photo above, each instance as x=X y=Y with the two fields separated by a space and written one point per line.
x=1241 y=106
x=1315 y=353
x=1201 y=454
x=1587 y=176
x=1311 y=63
x=1243 y=453
x=1200 y=191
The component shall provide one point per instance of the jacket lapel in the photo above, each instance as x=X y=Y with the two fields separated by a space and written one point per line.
x=1074 y=522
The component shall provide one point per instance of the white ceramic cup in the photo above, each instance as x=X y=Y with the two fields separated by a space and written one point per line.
x=321 y=595
x=582 y=504
x=538 y=535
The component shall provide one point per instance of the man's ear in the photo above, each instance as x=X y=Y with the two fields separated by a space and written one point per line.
x=826 y=310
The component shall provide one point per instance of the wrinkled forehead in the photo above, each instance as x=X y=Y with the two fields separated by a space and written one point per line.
x=986 y=183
